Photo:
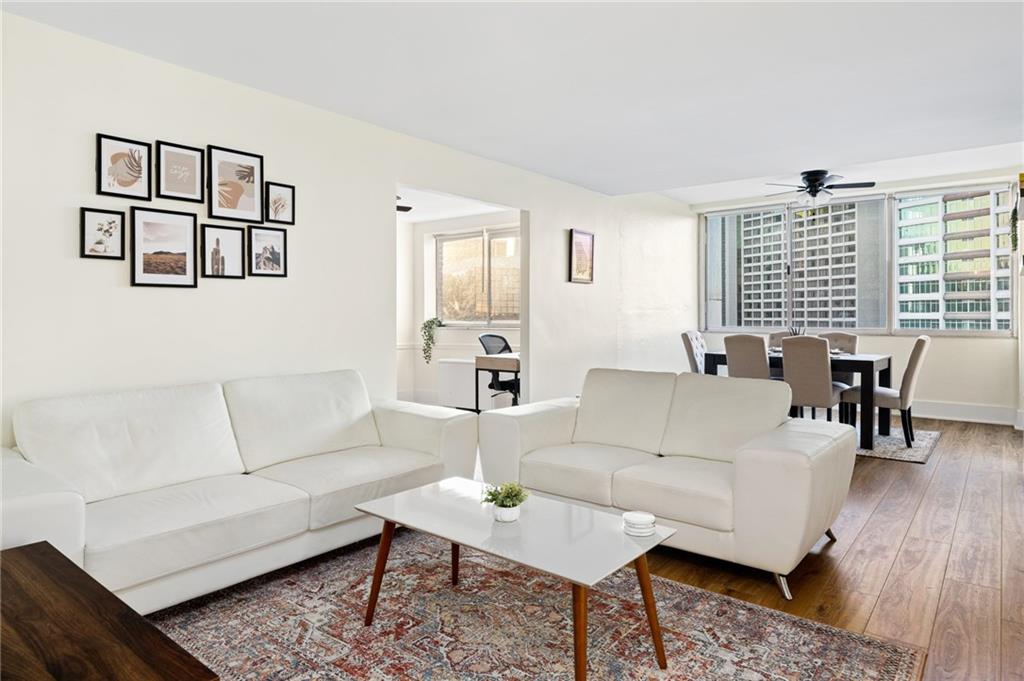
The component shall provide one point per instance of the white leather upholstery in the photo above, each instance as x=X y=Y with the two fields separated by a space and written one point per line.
x=581 y=470
x=694 y=491
x=286 y=417
x=336 y=481
x=138 y=537
x=445 y=433
x=39 y=506
x=712 y=416
x=119 y=443
x=624 y=408
x=507 y=434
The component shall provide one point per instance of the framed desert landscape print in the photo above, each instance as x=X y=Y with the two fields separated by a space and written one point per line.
x=268 y=252
x=235 y=182
x=223 y=252
x=581 y=257
x=179 y=172
x=280 y=203
x=102 y=233
x=123 y=167
x=164 y=249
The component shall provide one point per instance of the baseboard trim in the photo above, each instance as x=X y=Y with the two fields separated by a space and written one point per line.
x=972 y=413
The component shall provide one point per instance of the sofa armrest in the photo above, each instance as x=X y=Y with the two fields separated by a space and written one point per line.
x=38 y=506
x=790 y=485
x=448 y=434
x=507 y=434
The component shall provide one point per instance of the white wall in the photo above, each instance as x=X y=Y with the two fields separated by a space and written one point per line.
x=76 y=326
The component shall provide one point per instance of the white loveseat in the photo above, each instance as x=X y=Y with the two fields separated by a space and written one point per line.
x=170 y=493
x=716 y=458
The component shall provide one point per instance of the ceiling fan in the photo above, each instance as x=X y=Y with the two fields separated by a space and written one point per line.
x=816 y=182
x=400 y=208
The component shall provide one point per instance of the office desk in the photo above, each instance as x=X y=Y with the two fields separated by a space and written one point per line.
x=506 y=362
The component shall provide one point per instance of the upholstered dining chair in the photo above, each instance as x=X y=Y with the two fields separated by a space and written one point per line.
x=775 y=341
x=902 y=399
x=747 y=356
x=696 y=348
x=808 y=371
x=844 y=342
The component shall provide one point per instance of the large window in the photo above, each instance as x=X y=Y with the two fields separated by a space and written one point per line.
x=478 y=277
x=941 y=257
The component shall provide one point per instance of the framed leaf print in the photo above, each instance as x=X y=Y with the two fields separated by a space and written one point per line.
x=123 y=167
x=235 y=184
x=164 y=249
x=280 y=203
x=179 y=172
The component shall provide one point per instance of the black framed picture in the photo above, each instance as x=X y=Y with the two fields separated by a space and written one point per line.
x=223 y=252
x=235 y=184
x=179 y=172
x=164 y=249
x=581 y=257
x=268 y=252
x=280 y=206
x=122 y=167
x=102 y=233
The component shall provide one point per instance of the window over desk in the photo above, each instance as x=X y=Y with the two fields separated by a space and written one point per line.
x=478 y=277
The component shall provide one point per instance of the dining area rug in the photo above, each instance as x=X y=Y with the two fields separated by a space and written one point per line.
x=894 y=447
x=502 y=621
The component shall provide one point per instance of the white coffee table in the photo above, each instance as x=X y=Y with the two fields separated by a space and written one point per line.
x=578 y=544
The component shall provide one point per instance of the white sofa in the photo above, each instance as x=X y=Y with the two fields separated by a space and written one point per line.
x=166 y=494
x=716 y=458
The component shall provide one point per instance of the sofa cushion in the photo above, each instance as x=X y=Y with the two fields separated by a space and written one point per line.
x=624 y=408
x=287 y=417
x=337 y=481
x=712 y=416
x=120 y=443
x=694 y=491
x=578 y=471
x=139 y=537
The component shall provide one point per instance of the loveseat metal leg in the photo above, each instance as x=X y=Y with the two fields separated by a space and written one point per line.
x=830 y=534
x=783 y=586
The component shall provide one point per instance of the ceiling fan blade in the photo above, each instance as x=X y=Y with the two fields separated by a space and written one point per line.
x=403 y=209
x=801 y=190
x=823 y=189
x=776 y=184
x=831 y=178
x=850 y=185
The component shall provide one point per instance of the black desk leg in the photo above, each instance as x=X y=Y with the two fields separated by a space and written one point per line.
x=884 y=381
x=515 y=395
x=476 y=389
x=867 y=409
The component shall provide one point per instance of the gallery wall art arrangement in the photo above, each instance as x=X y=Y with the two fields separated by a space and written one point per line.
x=167 y=247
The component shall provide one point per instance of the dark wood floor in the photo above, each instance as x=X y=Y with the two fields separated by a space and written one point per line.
x=929 y=555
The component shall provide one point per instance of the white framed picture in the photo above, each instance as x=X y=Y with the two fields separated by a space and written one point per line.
x=235 y=184
x=163 y=248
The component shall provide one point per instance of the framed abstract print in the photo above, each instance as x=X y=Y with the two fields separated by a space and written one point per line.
x=123 y=167
x=235 y=184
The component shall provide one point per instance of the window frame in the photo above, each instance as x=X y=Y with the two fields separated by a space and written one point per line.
x=890 y=250
x=487 y=234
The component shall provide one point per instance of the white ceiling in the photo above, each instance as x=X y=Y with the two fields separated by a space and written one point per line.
x=430 y=205
x=616 y=97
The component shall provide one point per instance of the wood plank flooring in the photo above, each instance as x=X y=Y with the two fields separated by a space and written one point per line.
x=928 y=555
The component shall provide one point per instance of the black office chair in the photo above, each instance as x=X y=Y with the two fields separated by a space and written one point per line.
x=497 y=345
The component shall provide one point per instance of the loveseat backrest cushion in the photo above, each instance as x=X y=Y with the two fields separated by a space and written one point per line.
x=711 y=416
x=281 y=418
x=624 y=408
x=118 y=443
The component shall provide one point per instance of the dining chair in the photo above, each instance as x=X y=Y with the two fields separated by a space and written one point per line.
x=844 y=342
x=696 y=348
x=902 y=399
x=747 y=356
x=807 y=368
x=775 y=341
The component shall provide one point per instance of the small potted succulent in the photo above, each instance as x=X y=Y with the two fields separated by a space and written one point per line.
x=507 y=498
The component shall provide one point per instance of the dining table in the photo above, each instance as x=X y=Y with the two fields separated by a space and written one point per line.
x=867 y=366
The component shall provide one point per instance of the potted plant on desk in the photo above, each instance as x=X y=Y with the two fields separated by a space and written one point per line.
x=507 y=498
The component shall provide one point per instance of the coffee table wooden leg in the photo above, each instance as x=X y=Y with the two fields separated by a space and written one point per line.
x=579 y=629
x=644 y=575
x=455 y=564
x=378 y=571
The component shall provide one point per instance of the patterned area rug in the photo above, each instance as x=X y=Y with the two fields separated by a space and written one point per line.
x=895 y=447
x=501 y=622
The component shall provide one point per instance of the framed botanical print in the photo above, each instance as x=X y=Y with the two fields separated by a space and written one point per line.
x=223 y=252
x=102 y=233
x=164 y=249
x=235 y=184
x=581 y=257
x=280 y=203
x=179 y=172
x=123 y=167
x=268 y=252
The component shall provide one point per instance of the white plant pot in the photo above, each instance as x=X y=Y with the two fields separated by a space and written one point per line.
x=506 y=515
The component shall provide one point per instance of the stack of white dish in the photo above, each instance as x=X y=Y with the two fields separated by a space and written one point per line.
x=638 y=523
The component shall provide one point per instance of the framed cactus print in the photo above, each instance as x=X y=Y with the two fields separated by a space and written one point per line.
x=179 y=172
x=123 y=167
x=280 y=203
x=223 y=252
x=234 y=184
